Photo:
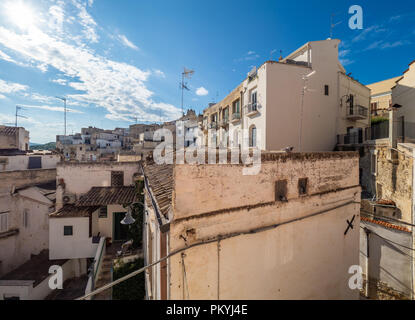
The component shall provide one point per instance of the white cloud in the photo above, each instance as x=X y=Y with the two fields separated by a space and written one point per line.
x=87 y=22
x=51 y=108
x=159 y=73
x=11 y=87
x=346 y=62
x=62 y=82
x=124 y=40
x=250 y=55
x=118 y=87
x=57 y=17
x=386 y=45
x=6 y=57
x=202 y=91
x=366 y=32
x=343 y=53
x=3 y=96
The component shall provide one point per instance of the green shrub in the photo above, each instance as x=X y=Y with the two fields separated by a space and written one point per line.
x=133 y=288
x=379 y=119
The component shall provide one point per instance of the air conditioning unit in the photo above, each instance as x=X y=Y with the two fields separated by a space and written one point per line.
x=68 y=198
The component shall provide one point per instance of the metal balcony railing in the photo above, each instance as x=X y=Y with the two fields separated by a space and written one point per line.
x=236 y=116
x=252 y=108
x=224 y=122
x=213 y=125
x=357 y=112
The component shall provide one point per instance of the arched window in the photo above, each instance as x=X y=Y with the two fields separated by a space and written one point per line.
x=252 y=136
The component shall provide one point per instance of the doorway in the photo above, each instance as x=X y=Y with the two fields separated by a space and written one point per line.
x=120 y=231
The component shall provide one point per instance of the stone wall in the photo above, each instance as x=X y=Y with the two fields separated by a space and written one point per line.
x=25 y=177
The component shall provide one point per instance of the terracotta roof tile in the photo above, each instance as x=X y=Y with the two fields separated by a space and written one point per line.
x=160 y=180
x=385 y=224
x=102 y=196
x=72 y=211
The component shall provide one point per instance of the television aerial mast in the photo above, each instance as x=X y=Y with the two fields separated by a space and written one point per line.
x=18 y=108
x=186 y=74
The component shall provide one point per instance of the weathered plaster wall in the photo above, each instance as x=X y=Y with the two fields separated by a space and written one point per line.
x=79 y=178
x=387 y=262
x=299 y=242
x=24 y=178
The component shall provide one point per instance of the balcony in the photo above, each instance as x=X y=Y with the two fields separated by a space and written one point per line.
x=236 y=116
x=224 y=122
x=252 y=109
x=356 y=113
x=213 y=125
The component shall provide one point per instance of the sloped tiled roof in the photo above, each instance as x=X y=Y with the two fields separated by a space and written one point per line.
x=103 y=196
x=382 y=86
x=160 y=180
x=386 y=224
x=72 y=211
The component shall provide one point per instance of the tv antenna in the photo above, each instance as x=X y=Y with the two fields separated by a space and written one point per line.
x=64 y=110
x=332 y=24
x=18 y=108
x=186 y=74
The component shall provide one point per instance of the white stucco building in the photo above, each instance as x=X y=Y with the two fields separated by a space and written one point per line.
x=305 y=98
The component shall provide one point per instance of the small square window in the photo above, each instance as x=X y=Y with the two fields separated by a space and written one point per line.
x=302 y=186
x=326 y=90
x=103 y=212
x=68 y=230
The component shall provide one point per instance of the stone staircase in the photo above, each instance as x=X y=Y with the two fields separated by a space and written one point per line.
x=104 y=277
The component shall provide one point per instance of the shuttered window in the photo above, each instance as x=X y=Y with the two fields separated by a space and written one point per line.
x=4 y=222
x=35 y=163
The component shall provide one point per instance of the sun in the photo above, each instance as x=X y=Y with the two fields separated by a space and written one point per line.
x=20 y=14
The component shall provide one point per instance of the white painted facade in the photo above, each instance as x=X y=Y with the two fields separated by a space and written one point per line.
x=25 y=217
x=282 y=111
x=21 y=162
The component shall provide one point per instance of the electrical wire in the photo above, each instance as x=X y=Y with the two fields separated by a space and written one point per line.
x=387 y=218
x=388 y=240
x=236 y=234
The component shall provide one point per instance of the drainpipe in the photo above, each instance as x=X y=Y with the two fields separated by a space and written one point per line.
x=393 y=128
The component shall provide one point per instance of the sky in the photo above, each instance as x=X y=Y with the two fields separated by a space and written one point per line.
x=120 y=62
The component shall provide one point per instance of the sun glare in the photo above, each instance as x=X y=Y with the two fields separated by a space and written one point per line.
x=20 y=14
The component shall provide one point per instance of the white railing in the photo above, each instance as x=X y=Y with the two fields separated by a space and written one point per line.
x=99 y=256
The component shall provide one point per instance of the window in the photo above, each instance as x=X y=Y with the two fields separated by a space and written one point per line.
x=326 y=90
x=103 y=212
x=35 y=163
x=4 y=222
x=253 y=97
x=302 y=186
x=252 y=137
x=226 y=114
x=117 y=178
x=236 y=106
x=281 y=190
x=26 y=218
x=68 y=230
